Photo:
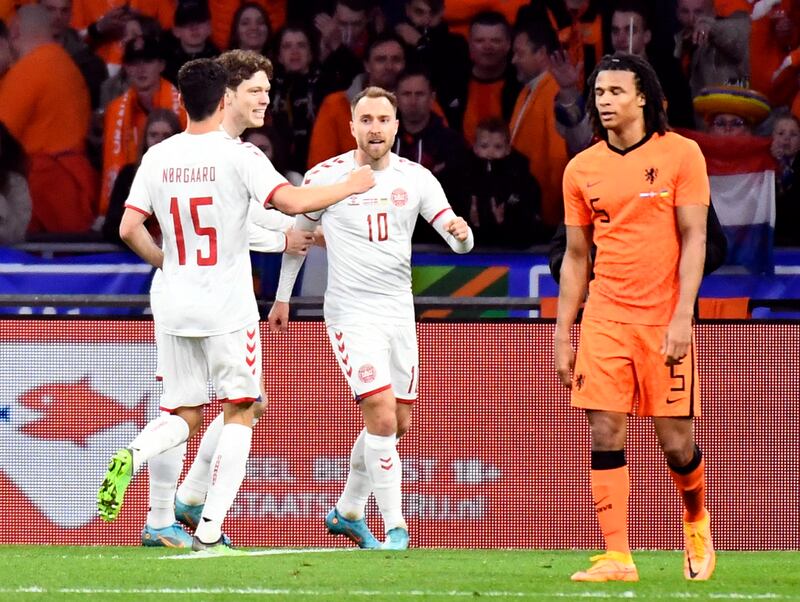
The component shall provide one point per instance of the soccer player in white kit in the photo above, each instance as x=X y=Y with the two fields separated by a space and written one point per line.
x=369 y=307
x=270 y=231
x=198 y=184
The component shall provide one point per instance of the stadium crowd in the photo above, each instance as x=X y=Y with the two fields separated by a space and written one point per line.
x=491 y=94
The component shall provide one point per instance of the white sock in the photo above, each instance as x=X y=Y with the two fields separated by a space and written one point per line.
x=194 y=488
x=158 y=435
x=164 y=471
x=385 y=471
x=227 y=473
x=358 y=487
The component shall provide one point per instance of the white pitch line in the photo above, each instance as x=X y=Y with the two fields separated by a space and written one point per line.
x=267 y=552
x=626 y=595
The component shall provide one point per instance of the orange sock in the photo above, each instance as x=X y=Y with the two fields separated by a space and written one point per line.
x=691 y=483
x=610 y=490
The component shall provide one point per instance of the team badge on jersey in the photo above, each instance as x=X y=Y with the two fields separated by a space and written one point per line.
x=366 y=373
x=399 y=197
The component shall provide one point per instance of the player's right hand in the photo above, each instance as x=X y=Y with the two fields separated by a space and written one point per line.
x=564 y=361
x=279 y=317
x=298 y=241
x=361 y=179
x=319 y=237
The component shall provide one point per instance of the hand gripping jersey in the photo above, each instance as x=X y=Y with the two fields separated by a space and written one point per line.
x=368 y=238
x=199 y=188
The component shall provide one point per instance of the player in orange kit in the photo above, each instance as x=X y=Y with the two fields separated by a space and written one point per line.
x=641 y=196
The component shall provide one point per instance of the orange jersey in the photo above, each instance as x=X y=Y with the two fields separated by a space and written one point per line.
x=484 y=100
x=629 y=197
x=44 y=102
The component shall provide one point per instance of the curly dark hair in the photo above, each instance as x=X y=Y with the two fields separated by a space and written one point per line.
x=12 y=156
x=242 y=65
x=647 y=84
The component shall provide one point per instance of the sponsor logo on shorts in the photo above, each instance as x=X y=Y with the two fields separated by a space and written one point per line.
x=399 y=197
x=579 y=380
x=366 y=373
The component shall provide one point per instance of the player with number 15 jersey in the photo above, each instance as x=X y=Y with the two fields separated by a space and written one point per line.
x=199 y=189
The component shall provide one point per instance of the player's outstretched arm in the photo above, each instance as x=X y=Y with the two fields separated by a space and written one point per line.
x=456 y=232
x=571 y=293
x=132 y=230
x=293 y=200
x=292 y=241
x=692 y=228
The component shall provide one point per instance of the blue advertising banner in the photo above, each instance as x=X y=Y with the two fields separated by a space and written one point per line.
x=435 y=274
x=98 y=274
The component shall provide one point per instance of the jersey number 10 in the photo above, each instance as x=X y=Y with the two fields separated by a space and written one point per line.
x=381 y=225
x=210 y=233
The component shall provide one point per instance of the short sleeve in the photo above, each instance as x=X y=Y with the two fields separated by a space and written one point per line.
x=311 y=178
x=692 y=186
x=260 y=176
x=139 y=196
x=576 y=211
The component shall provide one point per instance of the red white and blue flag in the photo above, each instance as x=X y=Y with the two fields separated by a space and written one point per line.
x=742 y=175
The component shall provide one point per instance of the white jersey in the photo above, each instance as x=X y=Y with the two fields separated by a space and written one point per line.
x=368 y=238
x=199 y=188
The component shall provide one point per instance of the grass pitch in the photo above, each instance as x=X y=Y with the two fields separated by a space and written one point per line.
x=29 y=573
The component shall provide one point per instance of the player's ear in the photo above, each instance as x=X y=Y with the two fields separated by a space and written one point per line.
x=352 y=129
x=641 y=100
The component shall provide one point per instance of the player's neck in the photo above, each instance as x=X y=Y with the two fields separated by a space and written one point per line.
x=231 y=127
x=363 y=158
x=203 y=127
x=624 y=138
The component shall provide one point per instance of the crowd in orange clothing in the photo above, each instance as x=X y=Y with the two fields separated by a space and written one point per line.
x=80 y=78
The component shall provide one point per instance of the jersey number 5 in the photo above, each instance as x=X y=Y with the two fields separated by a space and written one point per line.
x=604 y=217
x=380 y=222
x=211 y=233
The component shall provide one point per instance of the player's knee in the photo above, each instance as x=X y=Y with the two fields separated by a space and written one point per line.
x=607 y=429
x=259 y=408
x=403 y=425
x=384 y=426
x=678 y=454
x=193 y=416
x=241 y=413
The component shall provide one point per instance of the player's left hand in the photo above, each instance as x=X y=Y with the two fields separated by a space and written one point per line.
x=279 y=317
x=458 y=228
x=298 y=241
x=677 y=340
x=319 y=237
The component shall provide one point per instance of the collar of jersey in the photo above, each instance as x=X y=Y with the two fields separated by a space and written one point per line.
x=624 y=152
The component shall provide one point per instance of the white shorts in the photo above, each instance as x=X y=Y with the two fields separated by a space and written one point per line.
x=231 y=361
x=376 y=357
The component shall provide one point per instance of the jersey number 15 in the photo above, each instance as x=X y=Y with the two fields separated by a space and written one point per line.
x=211 y=233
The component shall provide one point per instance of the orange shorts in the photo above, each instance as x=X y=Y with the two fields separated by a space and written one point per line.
x=619 y=368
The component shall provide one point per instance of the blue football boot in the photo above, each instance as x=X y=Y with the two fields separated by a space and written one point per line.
x=188 y=515
x=396 y=539
x=356 y=531
x=169 y=537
